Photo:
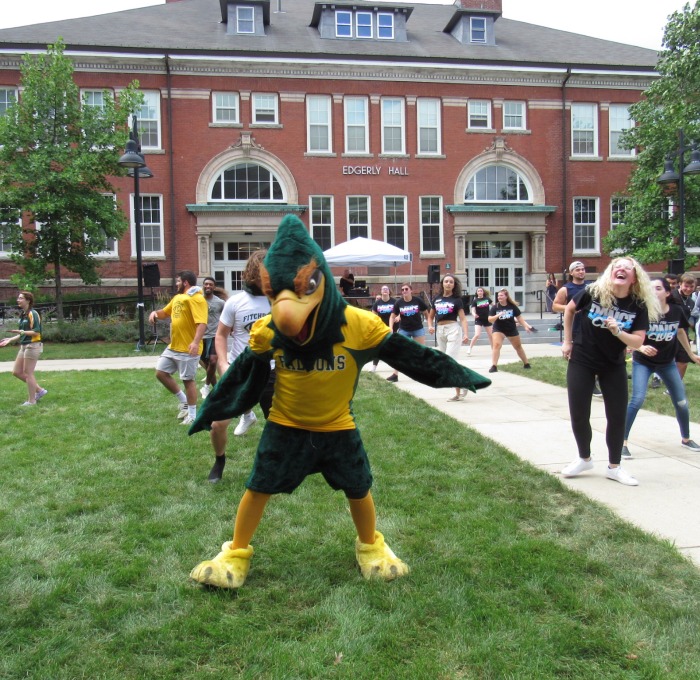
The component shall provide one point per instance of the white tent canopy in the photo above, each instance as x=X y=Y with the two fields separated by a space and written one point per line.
x=366 y=252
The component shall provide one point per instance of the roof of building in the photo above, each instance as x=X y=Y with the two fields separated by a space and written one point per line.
x=196 y=27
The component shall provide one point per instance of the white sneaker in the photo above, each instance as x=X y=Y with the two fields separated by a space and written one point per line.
x=619 y=475
x=42 y=393
x=182 y=411
x=469 y=351
x=244 y=424
x=577 y=467
x=187 y=420
x=204 y=391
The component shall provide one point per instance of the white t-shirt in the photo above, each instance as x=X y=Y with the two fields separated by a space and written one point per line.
x=240 y=312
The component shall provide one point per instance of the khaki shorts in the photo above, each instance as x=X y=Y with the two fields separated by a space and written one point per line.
x=31 y=350
x=180 y=362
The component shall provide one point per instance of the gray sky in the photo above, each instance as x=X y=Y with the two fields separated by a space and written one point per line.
x=635 y=22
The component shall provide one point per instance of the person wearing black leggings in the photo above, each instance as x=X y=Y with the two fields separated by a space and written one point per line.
x=615 y=313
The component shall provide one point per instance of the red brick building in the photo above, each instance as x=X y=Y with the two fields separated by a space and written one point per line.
x=483 y=145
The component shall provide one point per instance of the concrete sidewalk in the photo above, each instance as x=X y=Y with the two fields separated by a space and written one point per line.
x=531 y=419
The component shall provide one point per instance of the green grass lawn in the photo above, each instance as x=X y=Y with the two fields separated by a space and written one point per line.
x=105 y=509
x=553 y=372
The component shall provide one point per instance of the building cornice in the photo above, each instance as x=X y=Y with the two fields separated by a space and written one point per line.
x=341 y=69
x=258 y=208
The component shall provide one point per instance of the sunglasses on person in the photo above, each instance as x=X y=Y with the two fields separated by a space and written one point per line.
x=405 y=290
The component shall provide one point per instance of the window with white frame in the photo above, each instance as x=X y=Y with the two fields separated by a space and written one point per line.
x=265 y=108
x=343 y=24
x=110 y=249
x=385 y=26
x=584 y=130
x=149 y=121
x=226 y=107
x=245 y=19
x=247 y=181
x=479 y=114
x=431 y=224
x=8 y=97
x=393 y=126
x=318 y=123
x=151 y=225
x=321 y=217
x=619 y=116
x=586 y=225
x=9 y=220
x=363 y=24
x=96 y=99
x=494 y=183
x=358 y=216
x=395 y=220
x=514 y=116
x=429 y=123
x=477 y=30
x=356 y=125
x=618 y=206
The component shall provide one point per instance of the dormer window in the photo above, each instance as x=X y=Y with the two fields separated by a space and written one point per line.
x=477 y=29
x=353 y=22
x=245 y=19
x=385 y=26
x=343 y=24
x=364 y=25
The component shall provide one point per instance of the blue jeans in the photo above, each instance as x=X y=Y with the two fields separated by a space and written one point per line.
x=672 y=379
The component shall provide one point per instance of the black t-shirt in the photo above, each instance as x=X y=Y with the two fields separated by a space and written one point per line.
x=663 y=335
x=447 y=308
x=505 y=323
x=481 y=308
x=347 y=284
x=384 y=309
x=595 y=346
x=410 y=313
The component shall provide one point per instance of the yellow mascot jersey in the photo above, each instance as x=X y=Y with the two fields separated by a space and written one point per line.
x=321 y=400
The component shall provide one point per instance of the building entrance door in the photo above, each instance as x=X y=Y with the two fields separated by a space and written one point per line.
x=229 y=261
x=496 y=264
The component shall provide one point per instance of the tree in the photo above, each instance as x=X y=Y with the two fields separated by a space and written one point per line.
x=56 y=155
x=649 y=230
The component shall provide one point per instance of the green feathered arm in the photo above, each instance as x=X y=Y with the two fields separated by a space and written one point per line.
x=428 y=366
x=236 y=392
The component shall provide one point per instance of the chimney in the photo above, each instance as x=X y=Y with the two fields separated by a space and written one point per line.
x=490 y=5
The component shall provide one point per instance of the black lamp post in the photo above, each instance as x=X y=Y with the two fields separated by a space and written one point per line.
x=669 y=177
x=134 y=160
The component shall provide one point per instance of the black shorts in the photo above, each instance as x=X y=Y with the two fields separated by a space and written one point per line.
x=208 y=350
x=486 y=323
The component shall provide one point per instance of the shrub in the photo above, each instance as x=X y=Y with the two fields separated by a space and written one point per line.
x=111 y=329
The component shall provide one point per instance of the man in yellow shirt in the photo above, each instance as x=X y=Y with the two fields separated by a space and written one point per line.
x=188 y=315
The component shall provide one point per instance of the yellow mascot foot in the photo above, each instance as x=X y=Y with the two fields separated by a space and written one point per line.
x=377 y=561
x=227 y=570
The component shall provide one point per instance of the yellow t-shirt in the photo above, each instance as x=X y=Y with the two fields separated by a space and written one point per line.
x=321 y=400
x=185 y=312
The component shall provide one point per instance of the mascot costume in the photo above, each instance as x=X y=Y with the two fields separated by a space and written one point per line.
x=319 y=345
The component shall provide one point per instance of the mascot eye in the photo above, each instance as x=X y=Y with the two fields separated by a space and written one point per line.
x=314 y=282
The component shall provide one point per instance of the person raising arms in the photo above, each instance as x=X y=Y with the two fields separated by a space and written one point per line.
x=614 y=314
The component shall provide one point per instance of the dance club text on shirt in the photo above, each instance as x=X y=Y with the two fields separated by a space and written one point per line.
x=599 y=315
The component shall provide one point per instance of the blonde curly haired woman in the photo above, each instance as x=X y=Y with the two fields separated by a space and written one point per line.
x=615 y=312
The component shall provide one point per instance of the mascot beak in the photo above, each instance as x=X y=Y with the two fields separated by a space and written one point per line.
x=294 y=313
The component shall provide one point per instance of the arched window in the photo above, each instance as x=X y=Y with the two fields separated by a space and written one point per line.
x=496 y=183
x=247 y=182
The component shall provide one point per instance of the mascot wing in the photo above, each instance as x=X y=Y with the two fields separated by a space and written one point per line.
x=237 y=391
x=428 y=366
